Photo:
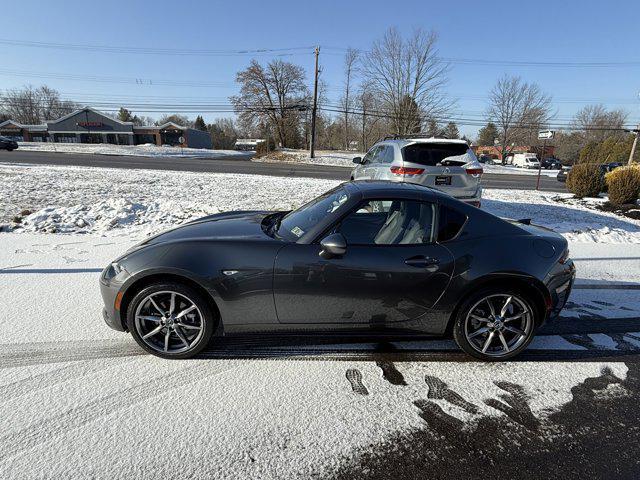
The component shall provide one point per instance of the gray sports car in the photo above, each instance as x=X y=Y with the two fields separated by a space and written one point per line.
x=373 y=258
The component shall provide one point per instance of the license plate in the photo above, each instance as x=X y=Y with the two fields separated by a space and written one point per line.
x=443 y=180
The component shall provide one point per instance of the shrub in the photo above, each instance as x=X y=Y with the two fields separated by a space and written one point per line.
x=264 y=148
x=585 y=180
x=624 y=185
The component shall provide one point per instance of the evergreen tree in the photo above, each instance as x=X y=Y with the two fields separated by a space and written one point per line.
x=124 y=115
x=432 y=128
x=487 y=135
x=450 y=131
x=200 y=124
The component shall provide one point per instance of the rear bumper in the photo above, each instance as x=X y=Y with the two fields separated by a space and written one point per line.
x=560 y=286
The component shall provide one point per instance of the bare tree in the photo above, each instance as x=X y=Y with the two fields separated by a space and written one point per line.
x=350 y=70
x=273 y=95
x=595 y=123
x=406 y=73
x=30 y=105
x=517 y=108
x=373 y=124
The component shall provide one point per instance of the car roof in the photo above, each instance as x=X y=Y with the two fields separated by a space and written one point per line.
x=381 y=188
x=408 y=141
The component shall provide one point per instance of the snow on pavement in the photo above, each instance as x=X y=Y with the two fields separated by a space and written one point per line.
x=97 y=200
x=82 y=401
x=145 y=150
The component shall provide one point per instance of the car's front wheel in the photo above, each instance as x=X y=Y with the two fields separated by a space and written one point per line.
x=170 y=320
x=495 y=324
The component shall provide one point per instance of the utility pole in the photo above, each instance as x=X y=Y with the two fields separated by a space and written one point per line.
x=315 y=108
x=635 y=143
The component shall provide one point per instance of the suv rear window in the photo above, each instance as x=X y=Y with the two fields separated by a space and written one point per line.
x=431 y=154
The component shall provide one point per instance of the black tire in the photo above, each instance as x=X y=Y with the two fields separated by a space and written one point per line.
x=208 y=320
x=465 y=309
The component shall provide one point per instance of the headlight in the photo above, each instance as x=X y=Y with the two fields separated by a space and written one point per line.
x=113 y=270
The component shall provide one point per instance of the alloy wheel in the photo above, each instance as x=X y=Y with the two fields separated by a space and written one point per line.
x=169 y=322
x=498 y=324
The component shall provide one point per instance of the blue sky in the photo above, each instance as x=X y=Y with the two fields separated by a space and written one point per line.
x=573 y=31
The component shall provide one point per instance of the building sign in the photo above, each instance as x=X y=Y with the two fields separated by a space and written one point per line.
x=90 y=124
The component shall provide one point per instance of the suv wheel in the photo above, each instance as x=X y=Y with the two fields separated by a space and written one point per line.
x=170 y=320
x=495 y=324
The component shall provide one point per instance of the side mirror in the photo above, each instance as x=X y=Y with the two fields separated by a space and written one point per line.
x=335 y=245
x=357 y=160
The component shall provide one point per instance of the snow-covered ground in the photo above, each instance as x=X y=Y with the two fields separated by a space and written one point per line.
x=345 y=159
x=108 y=201
x=82 y=401
x=146 y=150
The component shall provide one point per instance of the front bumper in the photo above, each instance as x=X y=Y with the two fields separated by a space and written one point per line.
x=110 y=314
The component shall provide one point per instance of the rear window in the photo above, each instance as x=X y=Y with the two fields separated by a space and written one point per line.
x=432 y=154
x=450 y=222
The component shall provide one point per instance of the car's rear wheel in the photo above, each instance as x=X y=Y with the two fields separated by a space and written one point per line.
x=170 y=320
x=495 y=324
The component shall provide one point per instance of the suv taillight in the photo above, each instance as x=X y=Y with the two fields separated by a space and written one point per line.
x=474 y=171
x=406 y=171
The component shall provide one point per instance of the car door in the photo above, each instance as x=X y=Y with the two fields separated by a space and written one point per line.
x=391 y=274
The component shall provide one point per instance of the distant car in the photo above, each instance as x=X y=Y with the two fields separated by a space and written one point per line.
x=8 y=144
x=443 y=164
x=609 y=167
x=383 y=259
x=562 y=174
x=551 y=164
x=485 y=159
x=526 y=160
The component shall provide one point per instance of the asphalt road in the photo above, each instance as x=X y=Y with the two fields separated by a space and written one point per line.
x=242 y=164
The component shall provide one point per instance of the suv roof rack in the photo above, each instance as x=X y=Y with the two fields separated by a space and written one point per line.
x=414 y=135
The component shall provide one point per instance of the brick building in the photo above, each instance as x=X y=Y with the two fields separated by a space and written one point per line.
x=91 y=126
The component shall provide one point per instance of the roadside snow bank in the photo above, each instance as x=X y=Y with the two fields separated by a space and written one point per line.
x=110 y=214
x=100 y=200
x=146 y=150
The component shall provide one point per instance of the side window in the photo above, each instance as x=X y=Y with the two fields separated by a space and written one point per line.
x=371 y=154
x=450 y=223
x=389 y=222
x=386 y=154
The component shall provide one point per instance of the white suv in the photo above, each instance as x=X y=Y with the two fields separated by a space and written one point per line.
x=446 y=165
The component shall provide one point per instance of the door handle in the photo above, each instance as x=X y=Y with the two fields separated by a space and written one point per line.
x=420 y=261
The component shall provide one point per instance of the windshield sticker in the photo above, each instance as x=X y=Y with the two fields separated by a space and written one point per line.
x=297 y=231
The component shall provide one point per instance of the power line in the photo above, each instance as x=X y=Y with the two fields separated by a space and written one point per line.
x=156 y=50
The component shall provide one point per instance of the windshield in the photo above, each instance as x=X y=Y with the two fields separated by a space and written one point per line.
x=295 y=224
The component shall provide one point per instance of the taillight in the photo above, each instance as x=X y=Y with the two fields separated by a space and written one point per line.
x=474 y=171
x=565 y=256
x=406 y=171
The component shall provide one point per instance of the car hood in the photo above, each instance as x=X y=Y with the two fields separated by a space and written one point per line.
x=246 y=225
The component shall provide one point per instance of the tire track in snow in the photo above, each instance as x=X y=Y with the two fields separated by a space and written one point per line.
x=50 y=428
x=54 y=377
x=24 y=355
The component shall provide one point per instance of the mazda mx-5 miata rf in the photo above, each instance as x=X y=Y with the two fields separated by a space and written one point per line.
x=374 y=258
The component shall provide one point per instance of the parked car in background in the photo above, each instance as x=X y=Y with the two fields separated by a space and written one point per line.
x=525 y=160
x=383 y=259
x=443 y=164
x=551 y=163
x=485 y=159
x=562 y=174
x=8 y=144
x=609 y=167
